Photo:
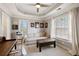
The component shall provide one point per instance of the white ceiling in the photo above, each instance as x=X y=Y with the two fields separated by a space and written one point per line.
x=32 y=10
x=24 y=10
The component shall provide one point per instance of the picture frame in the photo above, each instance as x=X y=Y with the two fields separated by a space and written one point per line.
x=41 y=25
x=15 y=27
x=36 y=24
x=32 y=24
x=46 y=25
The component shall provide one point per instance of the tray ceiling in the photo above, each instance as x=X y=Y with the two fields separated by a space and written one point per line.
x=16 y=9
x=32 y=10
x=24 y=10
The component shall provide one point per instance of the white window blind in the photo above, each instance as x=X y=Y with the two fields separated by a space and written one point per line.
x=23 y=26
x=62 y=26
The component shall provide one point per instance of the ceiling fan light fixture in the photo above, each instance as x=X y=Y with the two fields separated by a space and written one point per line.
x=37 y=5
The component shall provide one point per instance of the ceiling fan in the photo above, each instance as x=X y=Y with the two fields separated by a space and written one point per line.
x=38 y=5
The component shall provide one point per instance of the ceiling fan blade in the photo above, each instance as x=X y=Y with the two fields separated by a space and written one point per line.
x=31 y=4
x=44 y=5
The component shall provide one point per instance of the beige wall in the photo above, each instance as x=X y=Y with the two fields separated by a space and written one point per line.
x=48 y=30
x=0 y=23
x=6 y=27
x=32 y=31
x=35 y=32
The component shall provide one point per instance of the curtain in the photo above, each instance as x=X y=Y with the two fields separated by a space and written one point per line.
x=75 y=30
x=77 y=25
x=52 y=31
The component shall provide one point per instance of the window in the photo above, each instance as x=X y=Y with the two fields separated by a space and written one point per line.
x=23 y=26
x=62 y=26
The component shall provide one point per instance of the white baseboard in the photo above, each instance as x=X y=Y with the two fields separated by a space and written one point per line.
x=67 y=49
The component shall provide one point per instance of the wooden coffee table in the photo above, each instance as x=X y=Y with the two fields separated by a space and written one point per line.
x=6 y=47
x=45 y=42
